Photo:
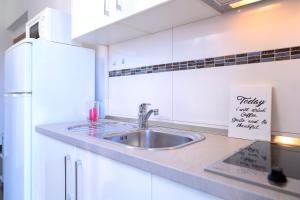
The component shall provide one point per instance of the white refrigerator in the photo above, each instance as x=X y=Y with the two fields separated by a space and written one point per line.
x=45 y=82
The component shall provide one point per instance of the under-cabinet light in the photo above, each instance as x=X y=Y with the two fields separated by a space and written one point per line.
x=242 y=3
x=286 y=140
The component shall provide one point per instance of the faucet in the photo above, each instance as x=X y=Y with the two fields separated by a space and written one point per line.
x=144 y=115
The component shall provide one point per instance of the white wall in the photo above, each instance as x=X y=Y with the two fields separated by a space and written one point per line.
x=4 y=43
x=202 y=96
x=12 y=10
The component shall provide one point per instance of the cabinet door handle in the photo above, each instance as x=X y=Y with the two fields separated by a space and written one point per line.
x=67 y=177
x=119 y=4
x=106 y=7
x=78 y=187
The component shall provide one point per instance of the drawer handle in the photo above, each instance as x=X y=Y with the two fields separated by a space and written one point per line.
x=67 y=177
x=106 y=8
x=119 y=4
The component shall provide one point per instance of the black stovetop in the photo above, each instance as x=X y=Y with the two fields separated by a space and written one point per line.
x=263 y=156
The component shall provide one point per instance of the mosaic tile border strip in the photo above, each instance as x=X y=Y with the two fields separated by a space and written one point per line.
x=237 y=59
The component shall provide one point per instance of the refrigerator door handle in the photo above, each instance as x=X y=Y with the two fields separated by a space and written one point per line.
x=14 y=94
x=4 y=151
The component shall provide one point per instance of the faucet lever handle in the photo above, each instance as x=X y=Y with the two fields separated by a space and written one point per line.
x=144 y=106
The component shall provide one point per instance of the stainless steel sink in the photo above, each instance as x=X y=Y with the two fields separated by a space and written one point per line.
x=155 y=139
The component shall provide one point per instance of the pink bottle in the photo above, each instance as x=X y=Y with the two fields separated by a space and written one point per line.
x=93 y=114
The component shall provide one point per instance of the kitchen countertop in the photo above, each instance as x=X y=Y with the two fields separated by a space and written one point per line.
x=184 y=165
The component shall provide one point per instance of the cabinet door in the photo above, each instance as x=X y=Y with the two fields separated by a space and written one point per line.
x=89 y=15
x=163 y=189
x=59 y=170
x=126 y=8
x=102 y=178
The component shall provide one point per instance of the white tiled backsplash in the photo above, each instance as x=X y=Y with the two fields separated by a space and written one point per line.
x=201 y=96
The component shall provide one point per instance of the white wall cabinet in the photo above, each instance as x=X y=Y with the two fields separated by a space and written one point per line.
x=95 y=14
x=89 y=15
x=101 y=16
x=75 y=174
x=126 y=8
x=105 y=22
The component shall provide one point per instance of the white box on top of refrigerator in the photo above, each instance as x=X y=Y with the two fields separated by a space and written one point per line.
x=50 y=24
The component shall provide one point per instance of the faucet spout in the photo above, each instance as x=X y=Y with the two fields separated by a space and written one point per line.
x=154 y=111
x=144 y=115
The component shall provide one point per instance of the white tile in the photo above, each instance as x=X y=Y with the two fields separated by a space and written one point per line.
x=128 y=92
x=202 y=96
x=148 y=50
x=274 y=25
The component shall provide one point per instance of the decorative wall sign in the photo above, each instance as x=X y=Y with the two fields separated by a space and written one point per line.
x=250 y=112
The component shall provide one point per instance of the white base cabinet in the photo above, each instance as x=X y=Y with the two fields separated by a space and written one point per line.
x=163 y=189
x=104 y=179
x=59 y=170
x=75 y=174
x=72 y=173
